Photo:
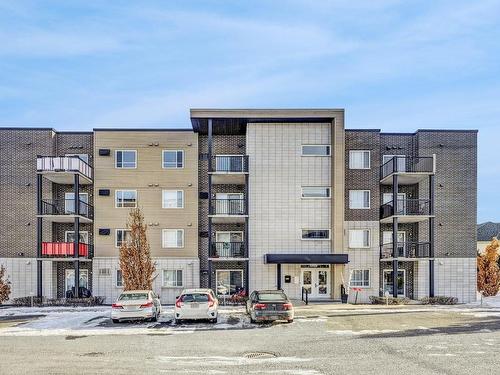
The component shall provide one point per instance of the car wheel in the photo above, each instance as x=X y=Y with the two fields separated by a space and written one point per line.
x=154 y=318
x=252 y=320
x=116 y=320
x=177 y=321
x=289 y=321
x=214 y=320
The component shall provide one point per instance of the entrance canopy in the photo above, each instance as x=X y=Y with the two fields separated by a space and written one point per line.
x=307 y=258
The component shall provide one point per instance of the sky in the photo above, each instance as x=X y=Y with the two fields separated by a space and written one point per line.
x=393 y=65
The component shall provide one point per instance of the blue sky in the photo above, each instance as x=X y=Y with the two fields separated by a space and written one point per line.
x=394 y=65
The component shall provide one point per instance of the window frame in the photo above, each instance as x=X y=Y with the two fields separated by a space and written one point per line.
x=163 y=199
x=72 y=231
x=328 y=188
x=116 y=279
x=122 y=190
x=176 y=151
x=314 y=239
x=80 y=194
x=163 y=241
x=351 y=152
x=369 y=199
x=362 y=280
x=176 y=279
x=127 y=150
x=318 y=145
x=116 y=235
x=359 y=230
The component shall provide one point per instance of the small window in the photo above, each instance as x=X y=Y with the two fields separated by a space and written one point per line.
x=316 y=150
x=315 y=234
x=119 y=278
x=359 y=199
x=315 y=192
x=359 y=159
x=173 y=159
x=122 y=235
x=172 y=278
x=173 y=199
x=359 y=238
x=125 y=198
x=360 y=278
x=69 y=236
x=173 y=238
x=104 y=272
x=126 y=159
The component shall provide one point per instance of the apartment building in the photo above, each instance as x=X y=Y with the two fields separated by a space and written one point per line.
x=245 y=200
x=157 y=171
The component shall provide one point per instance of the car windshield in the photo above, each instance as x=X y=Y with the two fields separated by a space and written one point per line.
x=133 y=296
x=195 y=297
x=271 y=297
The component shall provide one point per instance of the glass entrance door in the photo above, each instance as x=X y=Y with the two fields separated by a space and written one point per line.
x=316 y=281
x=69 y=280
x=388 y=274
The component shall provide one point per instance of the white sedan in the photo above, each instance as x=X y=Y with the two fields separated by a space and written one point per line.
x=136 y=305
x=196 y=304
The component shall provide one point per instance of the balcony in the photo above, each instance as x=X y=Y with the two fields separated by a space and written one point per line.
x=62 y=169
x=410 y=250
x=410 y=170
x=63 y=211
x=228 y=211
x=65 y=250
x=229 y=169
x=407 y=211
x=223 y=250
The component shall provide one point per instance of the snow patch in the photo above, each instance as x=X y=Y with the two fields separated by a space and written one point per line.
x=362 y=332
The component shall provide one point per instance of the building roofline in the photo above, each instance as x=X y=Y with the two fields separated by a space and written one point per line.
x=264 y=113
x=143 y=129
x=363 y=130
x=25 y=128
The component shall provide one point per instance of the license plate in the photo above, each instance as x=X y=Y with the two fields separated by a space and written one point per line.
x=274 y=317
x=195 y=305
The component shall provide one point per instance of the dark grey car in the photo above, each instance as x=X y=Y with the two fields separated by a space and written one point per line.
x=269 y=305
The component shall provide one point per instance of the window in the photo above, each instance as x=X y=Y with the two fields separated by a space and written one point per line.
x=69 y=236
x=122 y=235
x=360 y=278
x=315 y=234
x=359 y=199
x=400 y=164
x=173 y=199
x=315 y=150
x=172 y=278
x=125 y=198
x=388 y=282
x=69 y=203
x=119 y=278
x=173 y=238
x=84 y=157
x=104 y=272
x=315 y=192
x=173 y=159
x=359 y=238
x=359 y=159
x=229 y=281
x=126 y=159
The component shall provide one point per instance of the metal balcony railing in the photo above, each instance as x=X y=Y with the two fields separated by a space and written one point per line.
x=406 y=207
x=66 y=207
x=227 y=250
x=66 y=249
x=228 y=207
x=63 y=164
x=230 y=163
x=406 y=250
x=407 y=164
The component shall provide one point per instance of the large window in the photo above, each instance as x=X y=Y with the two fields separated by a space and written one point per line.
x=229 y=281
x=315 y=234
x=119 y=278
x=69 y=203
x=400 y=163
x=359 y=238
x=122 y=235
x=125 y=198
x=359 y=199
x=173 y=199
x=173 y=238
x=126 y=159
x=316 y=150
x=172 y=278
x=315 y=192
x=359 y=159
x=388 y=278
x=69 y=236
x=360 y=278
x=173 y=159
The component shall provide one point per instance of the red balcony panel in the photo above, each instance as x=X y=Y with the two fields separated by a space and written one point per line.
x=63 y=249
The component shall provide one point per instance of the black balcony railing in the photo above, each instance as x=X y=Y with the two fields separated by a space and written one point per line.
x=406 y=207
x=63 y=164
x=406 y=250
x=230 y=163
x=407 y=164
x=66 y=207
x=228 y=207
x=227 y=250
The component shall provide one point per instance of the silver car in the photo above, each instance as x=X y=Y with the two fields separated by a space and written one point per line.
x=136 y=305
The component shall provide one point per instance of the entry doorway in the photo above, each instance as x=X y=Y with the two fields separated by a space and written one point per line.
x=388 y=282
x=316 y=280
x=69 y=280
